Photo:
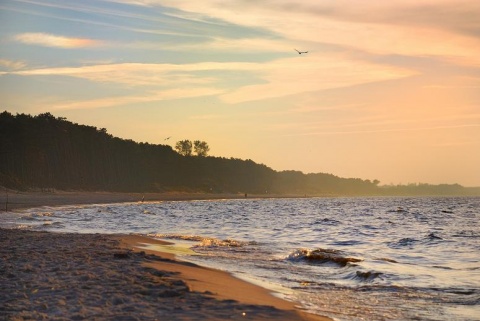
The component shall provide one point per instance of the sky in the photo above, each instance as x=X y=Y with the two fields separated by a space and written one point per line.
x=389 y=90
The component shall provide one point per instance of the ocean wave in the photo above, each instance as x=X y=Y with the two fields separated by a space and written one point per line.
x=37 y=216
x=213 y=242
x=53 y=224
x=322 y=256
x=433 y=236
x=404 y=242
x=48 y=214
x=22 y=227
x=28 y=218
x=386 y=260
x=204 y=241
x=398 y=210
x=467 y=233
x=327 y=221
x=346 y=243
x=430 y=238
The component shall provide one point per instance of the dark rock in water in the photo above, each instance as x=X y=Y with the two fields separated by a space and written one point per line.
x=324 y=256
x=121 y=255
x=368 y=276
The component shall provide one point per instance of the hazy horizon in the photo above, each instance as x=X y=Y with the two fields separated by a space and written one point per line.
x=387 y=91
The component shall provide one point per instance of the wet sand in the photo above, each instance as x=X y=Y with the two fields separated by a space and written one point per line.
x=58 y=276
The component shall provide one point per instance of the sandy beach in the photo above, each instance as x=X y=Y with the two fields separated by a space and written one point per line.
x=58 y=276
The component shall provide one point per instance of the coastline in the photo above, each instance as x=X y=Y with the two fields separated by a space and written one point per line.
x=15 y=200
x=153 y=286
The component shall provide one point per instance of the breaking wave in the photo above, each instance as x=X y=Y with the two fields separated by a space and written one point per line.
x=204 y=241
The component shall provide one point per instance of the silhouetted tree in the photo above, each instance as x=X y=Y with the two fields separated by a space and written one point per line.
x=184 y=147
x=201 y=148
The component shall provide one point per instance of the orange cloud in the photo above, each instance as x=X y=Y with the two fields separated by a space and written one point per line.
x=48 y=40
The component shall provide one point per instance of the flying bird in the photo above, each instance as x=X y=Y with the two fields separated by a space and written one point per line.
x=168 y=138
x=300 y=52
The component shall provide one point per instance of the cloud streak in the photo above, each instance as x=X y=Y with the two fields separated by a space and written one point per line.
x=49 y=40
x=12 y=65
x=313 y=73
x=170 y=94
x=282 y=77
x=142 y=74
x=386 y=130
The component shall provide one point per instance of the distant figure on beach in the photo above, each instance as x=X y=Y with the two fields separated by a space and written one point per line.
x=143 y=198
x=246 y=195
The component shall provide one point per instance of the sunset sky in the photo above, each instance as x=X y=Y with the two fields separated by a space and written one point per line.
x=388 y=90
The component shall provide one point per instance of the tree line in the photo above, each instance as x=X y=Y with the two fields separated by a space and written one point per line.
x=46 y=152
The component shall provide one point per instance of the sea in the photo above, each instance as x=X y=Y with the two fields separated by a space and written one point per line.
x=378 y=258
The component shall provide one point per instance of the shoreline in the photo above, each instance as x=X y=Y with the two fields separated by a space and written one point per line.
x=221 y=285
x=16 y=200
x=12 y=200
x=214 y=293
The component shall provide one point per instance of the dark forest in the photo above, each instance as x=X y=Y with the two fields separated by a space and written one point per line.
x=46 y=152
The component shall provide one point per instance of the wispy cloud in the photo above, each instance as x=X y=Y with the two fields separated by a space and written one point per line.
x=282 y=77
x=101 y=23
x=169 y=94
x=162 y=21
x=446 y=28
x=313 y=73
x=246 y=45
x=311 y=107
x=456 y=16
x=12 y=65
x=383 y=130
x=49 y=40
x=142 y=74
